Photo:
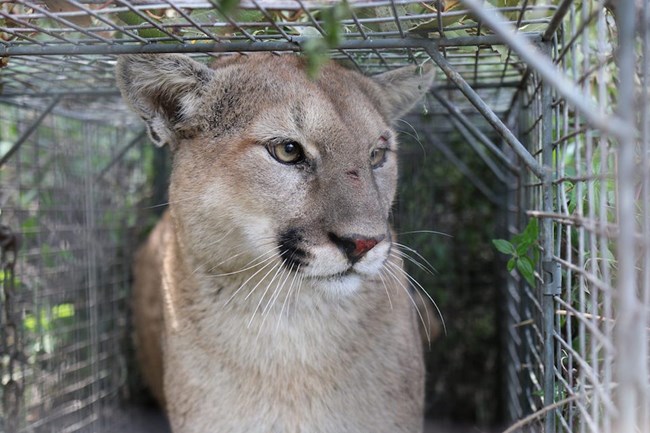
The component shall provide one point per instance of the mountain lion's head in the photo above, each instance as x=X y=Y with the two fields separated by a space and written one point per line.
x=273 y=167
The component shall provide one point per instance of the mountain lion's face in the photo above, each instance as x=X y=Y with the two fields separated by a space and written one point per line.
x=275 y=173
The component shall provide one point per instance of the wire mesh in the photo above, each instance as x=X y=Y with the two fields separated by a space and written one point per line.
x=59 y=195
x=564 y=85
x=585 y=323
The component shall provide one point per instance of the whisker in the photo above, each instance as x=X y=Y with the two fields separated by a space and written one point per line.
x=398 y=254
x=385 y=289
x=274 y=296
x=252 y=266
x=248 y=279
x=289 y=291
x=268 y=286
x=276 y=293
x=193 y=197
x=414 y=281
x=414 y=251
x=416 y=136
x=431 y=232
x=406 y=290
x=230 y=257
x=426 y=309
x=211 y=244
x=295 y=297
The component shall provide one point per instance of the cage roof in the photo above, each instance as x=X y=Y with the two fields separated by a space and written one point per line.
x=54 y=47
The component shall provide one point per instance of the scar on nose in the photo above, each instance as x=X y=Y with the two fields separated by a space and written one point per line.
x=353 y=174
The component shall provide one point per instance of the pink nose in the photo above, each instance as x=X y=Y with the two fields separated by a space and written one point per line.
x=355 y=247
x=362 y=246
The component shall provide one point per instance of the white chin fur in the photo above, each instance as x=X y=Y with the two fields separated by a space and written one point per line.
x=329 y=269
x=340 y=285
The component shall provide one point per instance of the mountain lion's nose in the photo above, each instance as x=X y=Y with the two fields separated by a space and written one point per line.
x=355 y=247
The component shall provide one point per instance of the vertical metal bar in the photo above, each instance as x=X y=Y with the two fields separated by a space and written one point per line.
x=579 y=211
x=606 y=168
x=590 y=356
x=558 y=242
x=92 y=283
x=550 y=276
x=644 y=34
x=630 y=335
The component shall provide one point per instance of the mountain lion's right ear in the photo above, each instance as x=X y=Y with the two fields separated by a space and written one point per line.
x=164 y=90
x=402 y=88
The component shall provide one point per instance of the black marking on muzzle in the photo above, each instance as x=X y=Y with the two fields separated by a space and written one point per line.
x=290 y=251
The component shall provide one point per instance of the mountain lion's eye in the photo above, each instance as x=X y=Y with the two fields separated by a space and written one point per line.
x=377 y=157
x=288 y=152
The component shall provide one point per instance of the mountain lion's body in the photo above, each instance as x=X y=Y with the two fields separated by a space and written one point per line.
x=270 y=295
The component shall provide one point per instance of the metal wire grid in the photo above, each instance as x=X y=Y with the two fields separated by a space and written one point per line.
x=588 y=306
x=373 y=29
x=70 y=191
x=563 y=334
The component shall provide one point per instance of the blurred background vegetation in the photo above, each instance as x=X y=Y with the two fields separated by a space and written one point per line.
x=464 y=375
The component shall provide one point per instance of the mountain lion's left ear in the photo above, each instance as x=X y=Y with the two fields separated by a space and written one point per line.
x=404 y=87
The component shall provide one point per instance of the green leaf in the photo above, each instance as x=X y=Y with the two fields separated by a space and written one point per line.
x=522 y=248
x=525 y=268
x=332 y=18
x=511 y=264
x=317 y=55
x=228 y=6
x=132 y=19
x=504 y=246
x=317 y=50
x=62 y=311
x=47 y=256
x=30 y=322
x=531 y=233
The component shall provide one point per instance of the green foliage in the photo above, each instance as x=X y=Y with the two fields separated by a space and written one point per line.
x=523 y=250
x=48 y=319
x=50 y=326
x=132 y=19
x=228 y=6
x=316 y=50
x=435 y=199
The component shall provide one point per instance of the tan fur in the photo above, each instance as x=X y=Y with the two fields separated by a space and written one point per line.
x=320 y=343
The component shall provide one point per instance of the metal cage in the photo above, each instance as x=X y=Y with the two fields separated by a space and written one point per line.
x=551 y=96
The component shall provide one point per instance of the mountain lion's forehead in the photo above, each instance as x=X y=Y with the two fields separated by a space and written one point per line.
x=320 y=122
x=272 y=96
x=263 y=76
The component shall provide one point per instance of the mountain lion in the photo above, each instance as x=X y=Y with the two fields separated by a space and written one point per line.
x=271 y=297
